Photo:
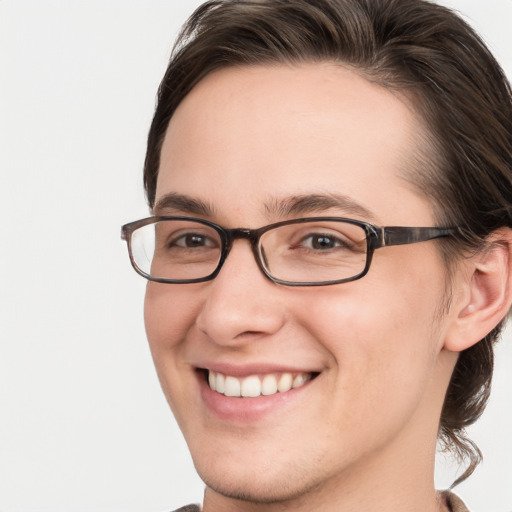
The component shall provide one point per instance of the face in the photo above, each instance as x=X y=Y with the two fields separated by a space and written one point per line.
x=242 y=147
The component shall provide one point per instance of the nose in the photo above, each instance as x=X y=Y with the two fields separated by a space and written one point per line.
x=241 y=304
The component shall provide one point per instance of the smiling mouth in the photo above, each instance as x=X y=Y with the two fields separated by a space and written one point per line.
x=255 y=385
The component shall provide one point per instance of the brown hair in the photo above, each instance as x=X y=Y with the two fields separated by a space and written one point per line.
x=455 y=84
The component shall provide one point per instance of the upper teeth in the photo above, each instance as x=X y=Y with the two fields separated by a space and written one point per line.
x=253 y=385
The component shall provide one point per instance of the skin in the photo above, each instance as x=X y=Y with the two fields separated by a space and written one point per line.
x=361 y=436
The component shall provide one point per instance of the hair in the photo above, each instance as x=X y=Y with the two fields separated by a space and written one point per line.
x=427 y=53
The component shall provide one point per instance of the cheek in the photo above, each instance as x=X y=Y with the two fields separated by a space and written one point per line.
x=380 y=337
x=168 y=315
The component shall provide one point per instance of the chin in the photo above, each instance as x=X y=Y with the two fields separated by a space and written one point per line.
x=258 y=483
x=254 y=491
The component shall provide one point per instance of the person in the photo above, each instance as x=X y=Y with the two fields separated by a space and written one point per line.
x=328 y=259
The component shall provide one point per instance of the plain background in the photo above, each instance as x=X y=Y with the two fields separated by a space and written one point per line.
x=83 y=423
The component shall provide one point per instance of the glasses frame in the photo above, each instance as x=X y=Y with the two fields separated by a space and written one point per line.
x=376 y=238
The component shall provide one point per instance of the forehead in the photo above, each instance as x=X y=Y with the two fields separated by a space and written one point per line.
x=248 y=136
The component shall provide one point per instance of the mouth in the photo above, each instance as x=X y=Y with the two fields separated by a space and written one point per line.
x=252 y=386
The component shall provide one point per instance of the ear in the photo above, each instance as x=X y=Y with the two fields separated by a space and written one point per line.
x=485 y=293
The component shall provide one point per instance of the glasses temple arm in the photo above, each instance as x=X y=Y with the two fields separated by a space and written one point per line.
x=398 y=235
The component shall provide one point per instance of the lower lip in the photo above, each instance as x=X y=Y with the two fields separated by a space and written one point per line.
x=250 y=409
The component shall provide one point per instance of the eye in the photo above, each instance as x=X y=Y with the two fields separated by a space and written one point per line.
x=323 y=242
x=192 y=240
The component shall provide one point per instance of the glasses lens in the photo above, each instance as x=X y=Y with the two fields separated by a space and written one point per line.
x=176 y=249
x=314 y=252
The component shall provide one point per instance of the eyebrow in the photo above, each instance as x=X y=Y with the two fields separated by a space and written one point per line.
x=295 y=205
x=180 y=203
x=317 y=203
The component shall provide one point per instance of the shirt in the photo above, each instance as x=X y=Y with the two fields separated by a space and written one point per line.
x=455 y=504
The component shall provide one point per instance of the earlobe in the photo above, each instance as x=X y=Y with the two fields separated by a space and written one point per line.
x=486 y=293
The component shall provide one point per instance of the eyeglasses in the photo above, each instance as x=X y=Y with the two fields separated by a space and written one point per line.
x=300 y=252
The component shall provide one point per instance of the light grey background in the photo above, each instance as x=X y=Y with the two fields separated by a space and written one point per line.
x=83 y=423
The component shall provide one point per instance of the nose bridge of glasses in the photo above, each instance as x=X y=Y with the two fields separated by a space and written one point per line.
x=242 y=233
x=251 y=235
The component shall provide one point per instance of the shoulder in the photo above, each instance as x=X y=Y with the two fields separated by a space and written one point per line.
x=189 y=508
x=455 y=504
